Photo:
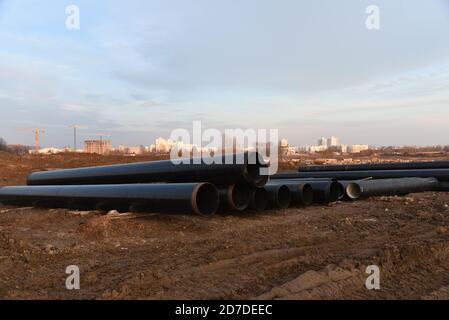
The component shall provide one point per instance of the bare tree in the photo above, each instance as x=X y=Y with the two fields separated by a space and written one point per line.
x=3 y=145
x=19 y=150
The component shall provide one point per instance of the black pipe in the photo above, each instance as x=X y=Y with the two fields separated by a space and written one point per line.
x=258 y=199
x=388 y=187
x=222 y=170
x=292 y=175
x=324 y=191
x=278 y=196
x=235 y=197
x=301 y=193
x=200 y=198
x=440 y=174
x=341 y=190
x=442 y=186
x=352 y=190
x=378 y=166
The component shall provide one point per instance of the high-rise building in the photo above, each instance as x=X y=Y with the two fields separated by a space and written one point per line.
x=332 y=142
x=97 y=146
x=322 y=142
x=357 y=148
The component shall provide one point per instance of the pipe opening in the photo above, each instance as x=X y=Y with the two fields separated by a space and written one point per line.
x=205 y=199
x=283 y=197
x=334 y=191
x=239 y=196
x=353 y=190
x=307 y=194
x=253 y=163
x=259 y=199
x=341 y=191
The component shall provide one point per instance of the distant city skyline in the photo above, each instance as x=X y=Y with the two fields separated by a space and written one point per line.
x=139 y=69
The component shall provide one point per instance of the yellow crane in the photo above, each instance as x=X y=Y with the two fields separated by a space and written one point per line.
x=37 y=132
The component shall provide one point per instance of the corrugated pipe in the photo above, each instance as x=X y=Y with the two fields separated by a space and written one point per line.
x=225 y=170
x=200 y=198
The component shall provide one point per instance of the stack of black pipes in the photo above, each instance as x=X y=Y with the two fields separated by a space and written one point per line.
x=375 y=179
x=229 y=183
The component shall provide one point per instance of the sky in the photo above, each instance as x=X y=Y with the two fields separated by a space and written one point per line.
x=140 y=69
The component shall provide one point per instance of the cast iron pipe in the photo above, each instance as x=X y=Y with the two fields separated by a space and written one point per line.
x=293 y=175
x=301 y=193
x=440 y=174
x=200 y=198
x=352 y=190
x=279 y=196
x=258 y=199
x=235 y=197
x=388 y=187
x=378 y=166
x=227 y=169
x=324 y=190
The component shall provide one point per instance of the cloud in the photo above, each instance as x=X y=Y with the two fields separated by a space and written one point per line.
x=150 y=67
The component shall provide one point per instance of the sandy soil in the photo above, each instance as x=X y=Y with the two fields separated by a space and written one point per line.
x=320 y=252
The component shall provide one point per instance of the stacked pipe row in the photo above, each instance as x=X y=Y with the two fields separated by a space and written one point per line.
x=365 y=180
x=203 y=186
x=228 y=183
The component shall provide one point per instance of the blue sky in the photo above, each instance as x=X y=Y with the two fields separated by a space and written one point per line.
x=139 y=69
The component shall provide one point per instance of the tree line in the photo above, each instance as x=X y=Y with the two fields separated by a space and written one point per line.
x=14 y=149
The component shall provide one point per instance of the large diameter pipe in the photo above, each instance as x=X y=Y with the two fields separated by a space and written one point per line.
x=235 y=197
x=324 y=190
x=352 y=190
x=293 y=175
x=200 y=198
x=440 y=174
x=258 y=199
x=301 y=193
x=389 y=187
x=221 y=170
x=279 y=196
x=378 y=166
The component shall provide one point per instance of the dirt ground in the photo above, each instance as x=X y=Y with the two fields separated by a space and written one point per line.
x=319 y=252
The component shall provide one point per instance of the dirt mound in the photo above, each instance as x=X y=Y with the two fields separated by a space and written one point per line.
x=319 y=252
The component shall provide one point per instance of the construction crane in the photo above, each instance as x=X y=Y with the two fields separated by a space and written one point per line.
x=101 y=135
x=37 y=132
x=74 y=127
